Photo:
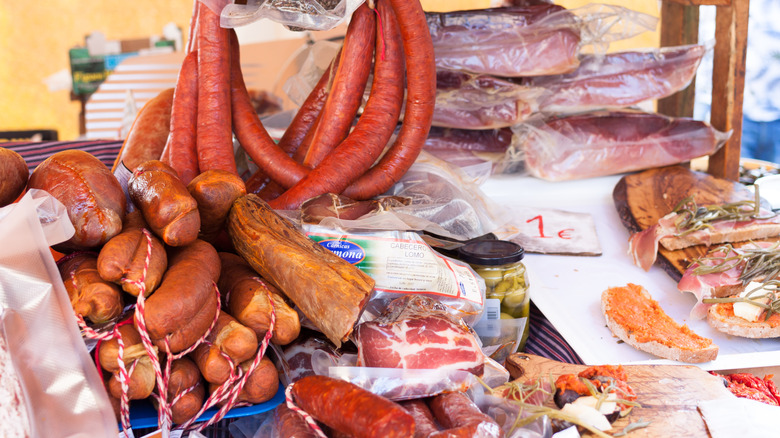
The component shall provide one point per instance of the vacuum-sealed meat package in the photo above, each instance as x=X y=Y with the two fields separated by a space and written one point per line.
x=528 y=40
x=619 y=80
x=479 y=101
x=611 y=142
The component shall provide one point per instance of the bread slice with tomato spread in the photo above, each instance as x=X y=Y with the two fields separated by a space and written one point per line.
x=722 y=318
x=636 y=318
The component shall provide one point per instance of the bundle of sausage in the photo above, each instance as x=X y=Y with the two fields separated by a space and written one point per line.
x=611 y=142
x=320 y=152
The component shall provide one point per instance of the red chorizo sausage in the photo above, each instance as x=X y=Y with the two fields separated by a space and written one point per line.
x=180 y=149
x=251 y=133
x=147 y=136
x=424 y=424
x=461 y=417
x=349 y=84
x=420 y=99
x=365 y=143
x=346 y=407
x=215 y=137
x=291 y=424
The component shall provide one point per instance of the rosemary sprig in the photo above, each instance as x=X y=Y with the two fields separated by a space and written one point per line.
x=691 y=217
x=771 y=286
x=632 y=426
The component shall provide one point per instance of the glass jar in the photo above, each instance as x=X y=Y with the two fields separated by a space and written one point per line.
x=499 y=263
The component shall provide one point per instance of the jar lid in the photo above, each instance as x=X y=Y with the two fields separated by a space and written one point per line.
x=491 y=252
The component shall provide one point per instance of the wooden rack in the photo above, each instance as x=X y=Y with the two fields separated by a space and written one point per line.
x=679 y=25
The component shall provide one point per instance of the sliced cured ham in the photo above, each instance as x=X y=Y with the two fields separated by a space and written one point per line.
x=416 y=332
x=643 y=246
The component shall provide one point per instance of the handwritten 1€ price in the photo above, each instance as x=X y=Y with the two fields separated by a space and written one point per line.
x=564 y=233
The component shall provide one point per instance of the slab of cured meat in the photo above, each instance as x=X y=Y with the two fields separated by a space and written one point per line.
x=669 y=394
x=643 y=198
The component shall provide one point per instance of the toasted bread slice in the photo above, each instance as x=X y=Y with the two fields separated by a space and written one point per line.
x=751 y=232
x=633 y=316
x=721 y=317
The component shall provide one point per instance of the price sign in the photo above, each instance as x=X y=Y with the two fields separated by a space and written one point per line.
x=550 y=231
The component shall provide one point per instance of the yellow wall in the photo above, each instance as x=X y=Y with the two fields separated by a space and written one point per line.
x=35 y=38
x=34 y=41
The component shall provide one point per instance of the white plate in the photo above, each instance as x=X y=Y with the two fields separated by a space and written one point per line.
x=568 y=289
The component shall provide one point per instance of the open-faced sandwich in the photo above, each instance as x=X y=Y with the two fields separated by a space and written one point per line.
x=690 y=224
x=638 y=320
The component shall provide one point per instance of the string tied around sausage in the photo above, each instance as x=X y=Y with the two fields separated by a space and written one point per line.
x=306 y=417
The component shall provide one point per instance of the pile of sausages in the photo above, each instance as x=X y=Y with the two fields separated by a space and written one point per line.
x=321 y=151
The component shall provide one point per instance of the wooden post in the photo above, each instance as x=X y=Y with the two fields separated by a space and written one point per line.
x=728 y=83
x=679 y=26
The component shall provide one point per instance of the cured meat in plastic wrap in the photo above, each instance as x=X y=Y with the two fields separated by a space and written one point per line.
x=530 y=39
x=417 y=332
x=476 y=151
x=611 y=142
x=619 y=80
x=479 y=101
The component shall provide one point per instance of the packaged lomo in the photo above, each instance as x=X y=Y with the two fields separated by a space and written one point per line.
x=504 y=324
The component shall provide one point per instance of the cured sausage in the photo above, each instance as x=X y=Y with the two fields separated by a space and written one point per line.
x=349 y=84
x=250 y=300
x=215 y=190
x=13 y=176
x=215 y=137
x=346 y=407
x=262 y=384
x=149 y=132
x=461 y=417
x=230 y=338
x=167 y=206
x=424 y=424
x=180 y=150
x=365 y=143
x=290 y=424
x=91 y=296
x=185 y=375
x=123 y=260
x=184 y=305
x=93 y=197
x=420 y=99
x=251 y=133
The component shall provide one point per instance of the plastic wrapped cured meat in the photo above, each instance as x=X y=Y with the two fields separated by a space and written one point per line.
x=417 y=332
x=611 y=142
x=507 y=41
x=619 y=80
x=476 y=152
x=479 y=101
x=530 y=39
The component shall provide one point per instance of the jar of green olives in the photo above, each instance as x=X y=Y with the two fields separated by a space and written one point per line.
x=499 y=263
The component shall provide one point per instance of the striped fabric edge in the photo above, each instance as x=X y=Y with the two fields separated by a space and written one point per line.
x=36 y=152
x=545 y=341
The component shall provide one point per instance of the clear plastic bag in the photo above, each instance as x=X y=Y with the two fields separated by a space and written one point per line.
x=531 y=40
x=295 y=14
x=405 y=384
x=479 y=101
x=618 y=80
x=476 y=152
x=612 y=142
x=62 y=389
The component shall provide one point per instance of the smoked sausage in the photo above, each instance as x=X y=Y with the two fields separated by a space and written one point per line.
x=91 y=296
x=93 y=197
x=185 y=375
x=181 y=153
x=461 y=417
x=290 y=424
x=228 y=337
x=215 y=190
x=122 y=260
x=169 y=209
x=13 y=176
x=347 y=408
x=148 y=134
x=424 y=424
x=184 y=305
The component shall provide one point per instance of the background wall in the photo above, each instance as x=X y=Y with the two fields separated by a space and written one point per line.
x=35 y=38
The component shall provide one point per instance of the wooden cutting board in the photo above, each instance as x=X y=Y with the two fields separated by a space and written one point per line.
x=669 y=394
x=643 y=198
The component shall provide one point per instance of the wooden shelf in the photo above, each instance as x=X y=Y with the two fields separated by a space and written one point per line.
x=679 y=25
